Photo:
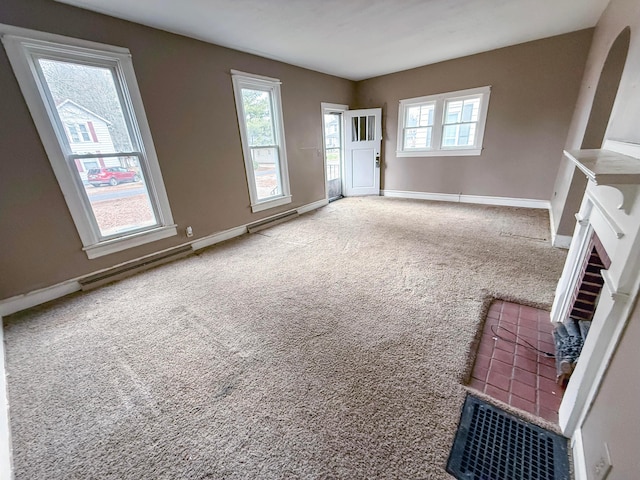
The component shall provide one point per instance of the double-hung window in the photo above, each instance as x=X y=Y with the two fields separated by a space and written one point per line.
x=259 y=110
x=445 y=124
x=87 y=108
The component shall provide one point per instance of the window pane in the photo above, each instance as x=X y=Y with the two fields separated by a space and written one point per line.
x=118 y=195
x=266 y=172
x=332 y=130
x=84 y=132
x=454 y=109
x=362 y=128
x=459 y=135
x=459 y=111
x=355 y=135
x=413 y=117
x=420 y=115
x=333 y=146
x=470 y=110
x=258 y=117
x=426 y=115
x=449 y=135
x=417 y=138
x=86 y=98
x=74 y=137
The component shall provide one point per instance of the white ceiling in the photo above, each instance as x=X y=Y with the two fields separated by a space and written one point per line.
x=358 y=39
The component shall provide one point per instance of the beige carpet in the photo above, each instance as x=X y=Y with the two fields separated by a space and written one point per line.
x=331 y=346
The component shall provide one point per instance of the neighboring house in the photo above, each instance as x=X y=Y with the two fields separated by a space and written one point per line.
x=87 y=132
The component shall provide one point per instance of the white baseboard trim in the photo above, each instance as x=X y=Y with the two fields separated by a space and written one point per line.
x=312 y=206
x=43 y=295
x=6 y=470
x=579 y=460
x=475 y=199
x=558 y=241
x=218 y=237
x=37 y=297
x=561 y=241
x=438 y=197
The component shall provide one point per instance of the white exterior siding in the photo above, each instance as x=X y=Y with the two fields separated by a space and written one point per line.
x=97 y=131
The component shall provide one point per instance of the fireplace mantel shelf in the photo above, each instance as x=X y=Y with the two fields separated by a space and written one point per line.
x=610 y=168
x=605 y=167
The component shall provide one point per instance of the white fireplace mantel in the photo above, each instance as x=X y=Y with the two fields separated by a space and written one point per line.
x=617 y=165
x=617 y=225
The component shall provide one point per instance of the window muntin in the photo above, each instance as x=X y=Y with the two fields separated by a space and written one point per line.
x=445 y=124
x=260 y=118
x=84 y=100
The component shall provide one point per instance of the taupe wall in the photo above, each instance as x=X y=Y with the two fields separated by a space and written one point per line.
x=534 y=90
x=613 y=418
x=625 y=116
x=187 y=92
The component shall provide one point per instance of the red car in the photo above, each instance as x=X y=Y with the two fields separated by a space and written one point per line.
x=111 y=175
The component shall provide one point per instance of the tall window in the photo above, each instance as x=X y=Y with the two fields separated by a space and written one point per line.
x=446 y=124
x=85 y=103
x=261 y=129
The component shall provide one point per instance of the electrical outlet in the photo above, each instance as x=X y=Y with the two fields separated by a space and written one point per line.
x=602 y=467
x=189 y=232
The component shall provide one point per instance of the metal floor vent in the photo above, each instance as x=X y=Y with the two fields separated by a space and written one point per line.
x=493 y=445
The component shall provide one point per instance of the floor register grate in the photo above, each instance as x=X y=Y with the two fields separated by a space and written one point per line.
x=494 y=445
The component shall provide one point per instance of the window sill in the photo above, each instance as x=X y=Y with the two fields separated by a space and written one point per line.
x=118 y=244
x=462 y=152
x=276 y=202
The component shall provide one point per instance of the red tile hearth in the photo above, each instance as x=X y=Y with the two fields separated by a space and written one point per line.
x=507 y=366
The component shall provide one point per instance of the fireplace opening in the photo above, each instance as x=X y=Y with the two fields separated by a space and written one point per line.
x=570 y=334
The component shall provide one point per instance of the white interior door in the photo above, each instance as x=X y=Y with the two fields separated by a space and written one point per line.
x=363 y=133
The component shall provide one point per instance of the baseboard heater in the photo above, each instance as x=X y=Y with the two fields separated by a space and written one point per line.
x=271 y=221
x=123 y=271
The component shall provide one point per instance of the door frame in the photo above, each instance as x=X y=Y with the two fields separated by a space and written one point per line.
x=328 y=108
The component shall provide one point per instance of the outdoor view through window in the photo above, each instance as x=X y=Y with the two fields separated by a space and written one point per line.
x=102 y=152
x=261 y=136
x=461 y=119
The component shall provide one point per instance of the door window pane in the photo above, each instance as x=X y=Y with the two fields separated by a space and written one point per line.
x=333 y=147
x=371 y=127
x=363 y=128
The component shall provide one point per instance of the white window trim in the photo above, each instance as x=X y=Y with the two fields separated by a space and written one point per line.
x=16 y=40
x=436 y=150
x=272 y=85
